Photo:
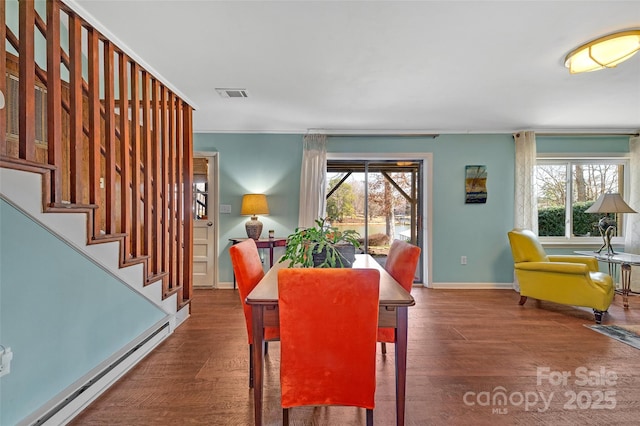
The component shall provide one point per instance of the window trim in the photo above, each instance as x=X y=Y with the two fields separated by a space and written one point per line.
x=570 y=159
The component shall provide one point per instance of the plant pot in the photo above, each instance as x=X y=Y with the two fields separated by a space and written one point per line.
x=347 y=253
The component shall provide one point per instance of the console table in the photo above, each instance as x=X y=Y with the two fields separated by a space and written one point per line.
x=262 y=243
x=625 y=260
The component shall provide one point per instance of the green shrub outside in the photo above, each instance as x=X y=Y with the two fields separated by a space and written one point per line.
x=551 y=221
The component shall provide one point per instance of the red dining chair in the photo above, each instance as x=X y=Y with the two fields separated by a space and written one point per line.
x=401 y=264
x=248 y=271
x=328 y=323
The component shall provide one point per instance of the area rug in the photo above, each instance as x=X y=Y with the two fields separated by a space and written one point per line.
x=629 y=334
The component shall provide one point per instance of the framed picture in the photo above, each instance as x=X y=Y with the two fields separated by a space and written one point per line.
x=475 y=184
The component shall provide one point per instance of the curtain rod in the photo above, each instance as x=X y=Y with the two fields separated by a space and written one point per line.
x=370 y=133
x=381 y=135
x=587 y=134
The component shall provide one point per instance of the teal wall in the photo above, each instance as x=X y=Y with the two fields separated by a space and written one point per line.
x=271 y=163
x=61 y=314
x=582 y=144
x=254 y=163
x=477 y=231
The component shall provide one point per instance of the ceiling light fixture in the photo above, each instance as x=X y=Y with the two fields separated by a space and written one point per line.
x=603 y=52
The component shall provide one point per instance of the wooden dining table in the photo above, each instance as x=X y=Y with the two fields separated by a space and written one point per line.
x=394 y=304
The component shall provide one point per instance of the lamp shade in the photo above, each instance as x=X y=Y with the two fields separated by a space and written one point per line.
x=604 y=52
x=610 y=203
x=253 y=204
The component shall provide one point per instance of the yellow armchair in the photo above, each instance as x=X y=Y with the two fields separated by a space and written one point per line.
x=569 y=280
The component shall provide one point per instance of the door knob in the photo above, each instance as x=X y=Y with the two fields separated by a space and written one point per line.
x=209 y=223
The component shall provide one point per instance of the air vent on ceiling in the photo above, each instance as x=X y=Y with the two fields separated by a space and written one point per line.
x=232 y=93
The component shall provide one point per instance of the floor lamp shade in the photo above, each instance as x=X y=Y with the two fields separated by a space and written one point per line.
x=252 y=205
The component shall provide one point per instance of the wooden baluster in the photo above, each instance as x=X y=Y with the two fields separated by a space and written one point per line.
x=136 y=207
x=110 y=140
x=75 y=105
x=94 y=130
x=54 y=99
x=146 y=140
x=179 y=190
x=187 y=171
x=164 y=214
x=156 y=251
x=125 y=156
x=171 y=191
x=3 y=81
x=27 y=64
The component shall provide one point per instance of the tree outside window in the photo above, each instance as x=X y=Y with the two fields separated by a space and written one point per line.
x=566 y=188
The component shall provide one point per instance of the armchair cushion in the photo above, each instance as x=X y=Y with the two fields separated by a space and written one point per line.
x=591 y=262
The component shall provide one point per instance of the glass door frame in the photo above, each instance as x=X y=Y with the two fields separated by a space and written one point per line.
x=427 y=191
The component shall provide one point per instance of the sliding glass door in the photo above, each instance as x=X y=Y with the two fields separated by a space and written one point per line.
x=381 y=199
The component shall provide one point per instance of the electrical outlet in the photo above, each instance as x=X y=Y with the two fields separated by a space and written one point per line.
x=5 y=361
x=463 y=260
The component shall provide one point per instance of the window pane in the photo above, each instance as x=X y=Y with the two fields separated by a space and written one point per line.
x=589 y=182
x=551 y=190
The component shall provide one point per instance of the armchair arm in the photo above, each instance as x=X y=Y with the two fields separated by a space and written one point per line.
x=591 y=262
x=555 y=267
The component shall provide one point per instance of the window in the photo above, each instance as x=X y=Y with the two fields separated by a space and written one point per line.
x=566 y=187
x=12 y=110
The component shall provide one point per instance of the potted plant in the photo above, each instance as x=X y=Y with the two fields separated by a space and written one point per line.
x=321 y=246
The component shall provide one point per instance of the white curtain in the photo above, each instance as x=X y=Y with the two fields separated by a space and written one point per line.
x=525 y=203
x=313 y=176
x=526 y=207
x=632 y=229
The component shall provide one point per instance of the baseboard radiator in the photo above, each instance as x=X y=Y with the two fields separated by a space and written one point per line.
x=69 y=403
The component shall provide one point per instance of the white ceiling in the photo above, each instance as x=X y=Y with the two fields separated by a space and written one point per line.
x=382 y=66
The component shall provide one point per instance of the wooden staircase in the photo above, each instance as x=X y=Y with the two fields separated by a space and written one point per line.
x=112 y=143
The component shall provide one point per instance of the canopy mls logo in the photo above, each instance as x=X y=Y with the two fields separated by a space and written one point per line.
x=500 y=399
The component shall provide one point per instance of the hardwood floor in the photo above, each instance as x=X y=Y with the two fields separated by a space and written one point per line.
x=465 y=346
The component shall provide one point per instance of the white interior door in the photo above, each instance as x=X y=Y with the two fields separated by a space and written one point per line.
x=204 y=223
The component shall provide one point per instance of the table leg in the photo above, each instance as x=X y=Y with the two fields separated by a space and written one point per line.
x=270 y=255
x=625 y=276
x=258 y=357
x=401 y=362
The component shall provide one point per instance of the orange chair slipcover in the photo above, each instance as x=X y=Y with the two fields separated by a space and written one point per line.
x=328 y=326
x=248 y=271
x=401 y=264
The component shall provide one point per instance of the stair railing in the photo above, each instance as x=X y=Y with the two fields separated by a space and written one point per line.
x=118 y=141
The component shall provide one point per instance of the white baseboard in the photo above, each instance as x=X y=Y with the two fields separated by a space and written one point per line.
x=473 y=286
x=182 y=315
x=87 y=389
x=225 y=285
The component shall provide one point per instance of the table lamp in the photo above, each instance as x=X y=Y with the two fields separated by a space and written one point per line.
x=252 y=205
x=608 y=203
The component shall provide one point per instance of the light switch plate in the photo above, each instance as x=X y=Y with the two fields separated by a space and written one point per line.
x=225 y=208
